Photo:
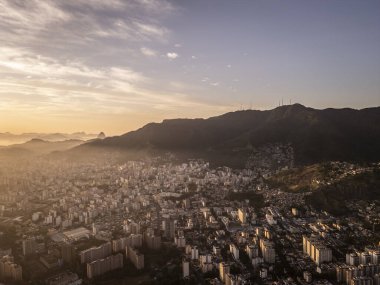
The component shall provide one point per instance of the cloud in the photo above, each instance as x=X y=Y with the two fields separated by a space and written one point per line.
x=43 y=85
x=71 y=44
x=172 y=55
x=75 y=57
x=158 y=7
x=148 y=52
x=51 y=82
x=66 y=25
x=150 y=30
x=99 y=4
x=21 y=16
x=20 y=61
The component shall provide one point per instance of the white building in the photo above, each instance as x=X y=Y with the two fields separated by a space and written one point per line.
x=234 y=251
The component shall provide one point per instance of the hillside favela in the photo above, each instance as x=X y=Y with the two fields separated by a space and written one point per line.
x=163 y=142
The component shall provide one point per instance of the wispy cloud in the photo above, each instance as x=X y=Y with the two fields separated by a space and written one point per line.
x=30 y=16
x=50 y=48
x=150 y=30
x=81 y=21
x=148 y=52
x=16 y=61
x=58 y=58
x=46 y=84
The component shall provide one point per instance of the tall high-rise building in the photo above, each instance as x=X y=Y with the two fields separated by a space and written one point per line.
x=194 y=253
x=268 y=251
x=135 y=240
x=205 y=262
x=169 y=227
x=362 y=280
x=375 y=256
x=101 y=266
x=131 y=227
x=118 y=245
x=267 y=233
x=185 y=268
x=135 y=228
x=224 y=269
x=341 y=273
x=153 y=242
x=352 y=259
x=10 y=270
x=322 y=254
x=376 y=279
x=94 y=253
x=252 y=251
x=317 y=251
x=28 y=246
x=242 y=214
x=180 y=241
x=69 y=253
x=135 y=257
x=365 y=258
x=234 y=251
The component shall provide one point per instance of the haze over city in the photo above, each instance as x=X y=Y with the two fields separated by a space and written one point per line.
x=116 y=65
x=189 y=142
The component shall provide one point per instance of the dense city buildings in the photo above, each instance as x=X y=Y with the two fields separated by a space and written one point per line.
x=10 y=270
x=187 y=221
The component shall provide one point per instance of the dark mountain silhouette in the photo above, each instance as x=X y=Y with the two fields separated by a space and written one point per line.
x=316 y=135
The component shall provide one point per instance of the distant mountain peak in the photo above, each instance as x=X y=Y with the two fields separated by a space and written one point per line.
x=36 y=140
x=101 y=135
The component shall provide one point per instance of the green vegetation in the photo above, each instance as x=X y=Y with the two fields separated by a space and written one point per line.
x=331 y=198
x=192 y=186
x=88 y=243
x=304 y=179
x=7 y=237
x=180 y=198
x=330 y=185
x=255 y=200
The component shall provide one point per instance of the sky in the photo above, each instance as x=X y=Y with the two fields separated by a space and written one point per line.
x=115 y=65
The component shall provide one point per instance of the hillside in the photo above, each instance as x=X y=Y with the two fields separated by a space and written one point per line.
x=328 y=186
x=312 y=177
x=332 y=198
x=316 y=135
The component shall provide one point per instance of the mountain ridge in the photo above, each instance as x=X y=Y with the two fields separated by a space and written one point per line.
x=317 y=135
x=7 y=138
x=37 y=147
